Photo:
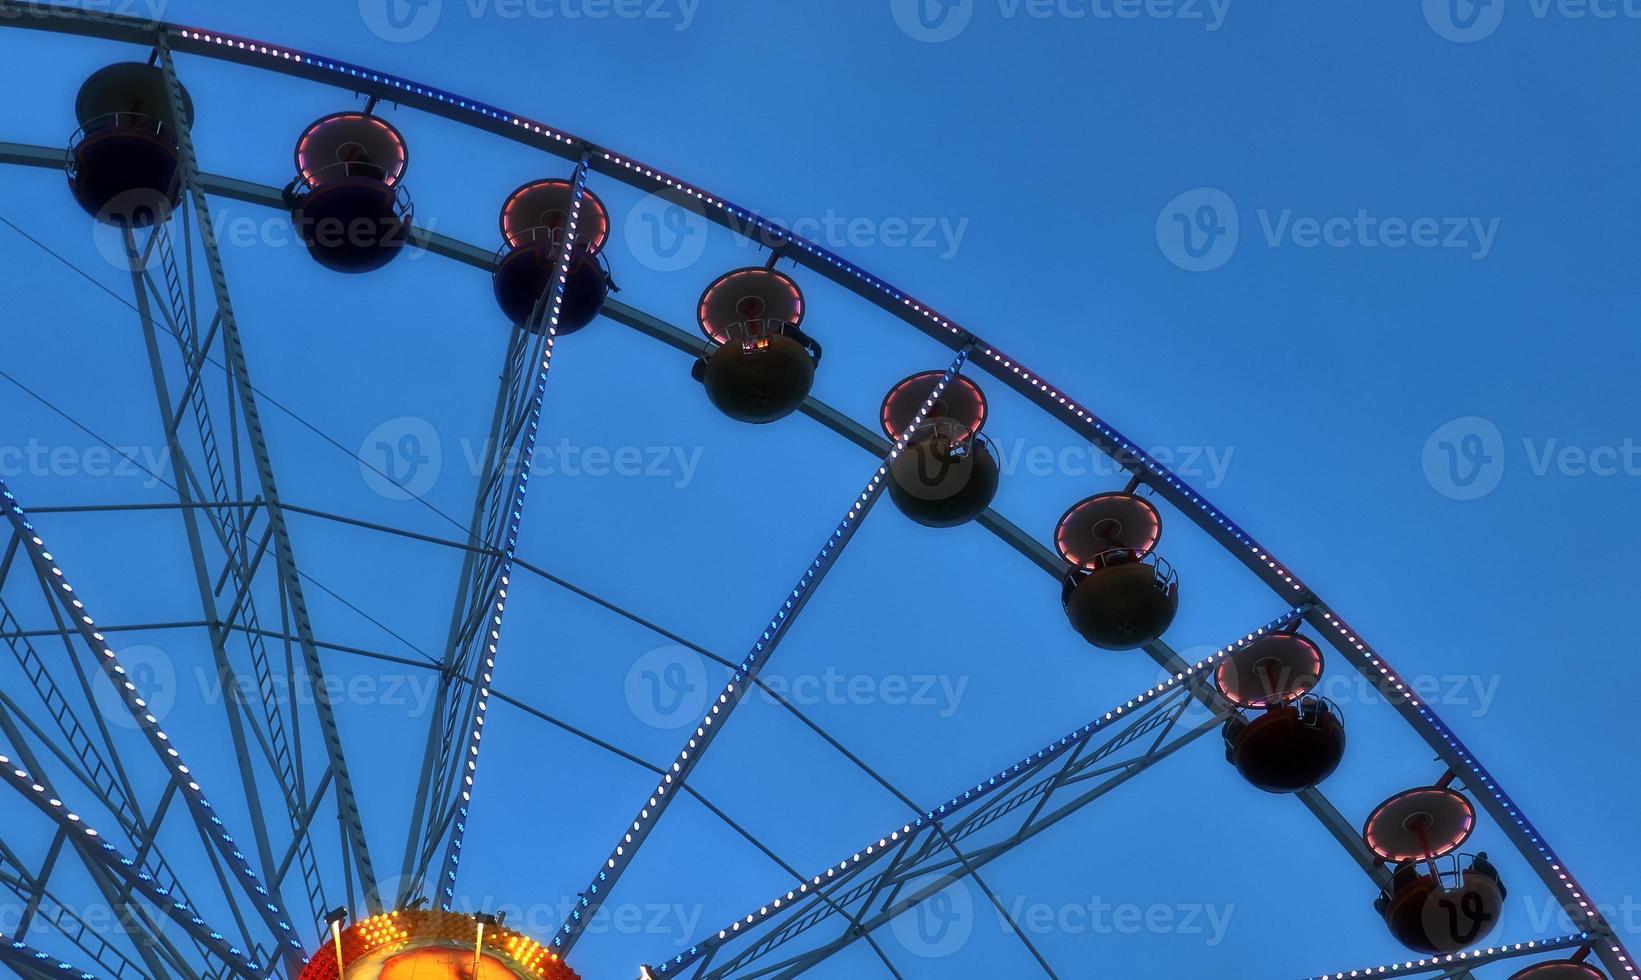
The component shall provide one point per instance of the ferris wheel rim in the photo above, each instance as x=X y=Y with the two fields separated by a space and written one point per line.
x=1526 y=838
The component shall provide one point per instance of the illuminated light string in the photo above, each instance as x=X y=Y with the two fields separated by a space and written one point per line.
x=212 y=826
x=1394 y=686
x=1123 y=446
x=46 y=962
x=498 y=605
x=749 y=667
x=977 y=793
x=126 y=867
x=1468 y=959
x=1069 y=407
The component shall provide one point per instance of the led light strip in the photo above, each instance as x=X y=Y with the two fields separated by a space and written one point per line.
x=1468 y=960
x=452 y=855
x=127 y=869
x=203 y=812
x=909 y=309
x=762 y=649
x=41 y=962
x=746 y=221
x=968 y=797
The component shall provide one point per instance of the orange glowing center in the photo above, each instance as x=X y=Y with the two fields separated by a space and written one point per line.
x=443 y=964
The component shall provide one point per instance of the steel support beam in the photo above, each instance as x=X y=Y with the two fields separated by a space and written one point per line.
x=918 y=859
x=763 y=648
x=255 y=444
x=455 y=735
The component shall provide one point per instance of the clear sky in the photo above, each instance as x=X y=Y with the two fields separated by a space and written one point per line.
x=1364 y=272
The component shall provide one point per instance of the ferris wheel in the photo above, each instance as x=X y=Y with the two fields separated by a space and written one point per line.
x=114 y=811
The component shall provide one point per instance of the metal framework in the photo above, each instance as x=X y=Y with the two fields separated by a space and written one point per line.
x=236 y=527
x=763 y=648
x=481 y=594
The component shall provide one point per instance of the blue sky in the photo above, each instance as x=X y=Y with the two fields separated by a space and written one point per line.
x=1362 y=272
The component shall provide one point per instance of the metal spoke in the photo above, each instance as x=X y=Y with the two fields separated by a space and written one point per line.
x=919 y=859
x=651 y=812
x=248 y=433
x=450 y=759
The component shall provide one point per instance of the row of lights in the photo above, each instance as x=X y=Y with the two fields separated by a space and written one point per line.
x=45 y=961
x=452 y=856
x=182 y=776
x=980 y=791
x=753 y=662
x=1473 y=958
x=125 y=867
x=1057 y=401
x=1121 y=446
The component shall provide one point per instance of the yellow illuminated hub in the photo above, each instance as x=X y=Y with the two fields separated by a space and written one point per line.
x=425 y=945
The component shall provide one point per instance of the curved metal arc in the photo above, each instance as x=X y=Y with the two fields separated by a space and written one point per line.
x=995 y=362
x=1445 y=964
